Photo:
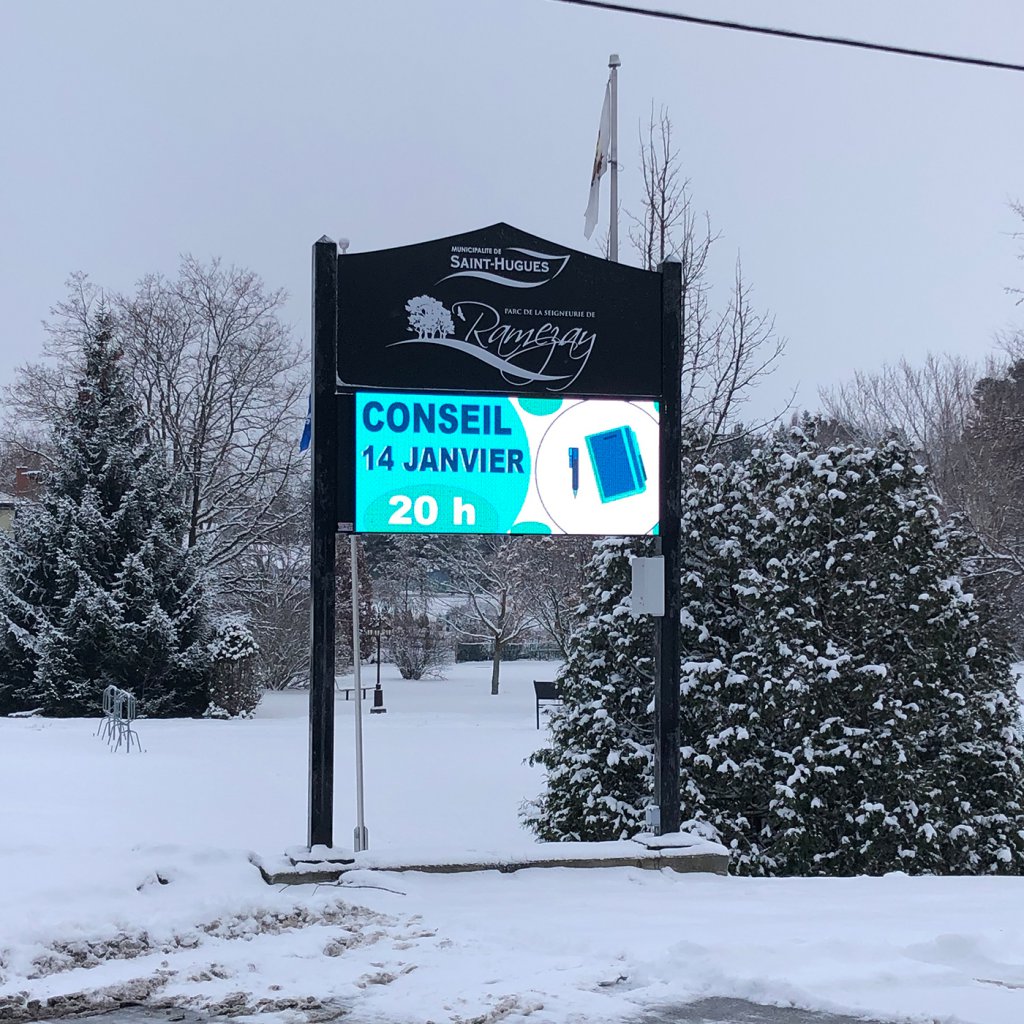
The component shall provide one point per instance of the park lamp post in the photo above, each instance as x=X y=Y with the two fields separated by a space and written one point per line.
x=378 y=624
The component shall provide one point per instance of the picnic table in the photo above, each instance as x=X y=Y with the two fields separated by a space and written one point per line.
x=348 y=691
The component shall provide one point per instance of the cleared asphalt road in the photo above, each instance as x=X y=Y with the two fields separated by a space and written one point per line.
x=739 y=1011
x=706 y=1011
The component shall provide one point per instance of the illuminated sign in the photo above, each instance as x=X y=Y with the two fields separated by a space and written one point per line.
x=429 y=463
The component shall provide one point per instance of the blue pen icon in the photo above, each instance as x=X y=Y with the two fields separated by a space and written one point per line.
x=574 y=467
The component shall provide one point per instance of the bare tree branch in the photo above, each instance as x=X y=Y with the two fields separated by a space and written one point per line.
x=725 y=354
x=222 y=382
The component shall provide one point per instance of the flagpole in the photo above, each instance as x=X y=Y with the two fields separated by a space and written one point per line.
x=613 y=158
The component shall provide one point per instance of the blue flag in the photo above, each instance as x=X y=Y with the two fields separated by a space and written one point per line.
x=307 y=430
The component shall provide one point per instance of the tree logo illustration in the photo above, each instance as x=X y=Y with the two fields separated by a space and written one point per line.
x=429 y=318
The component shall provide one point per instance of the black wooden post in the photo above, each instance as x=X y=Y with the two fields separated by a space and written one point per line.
x=324 y=453
x=666 y=692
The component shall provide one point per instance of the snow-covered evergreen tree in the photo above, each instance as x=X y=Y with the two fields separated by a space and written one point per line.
x=724 y=728
x=235 y=692
x=24 y=578
x=96 y=586
x=861 y=719
x=599 y=758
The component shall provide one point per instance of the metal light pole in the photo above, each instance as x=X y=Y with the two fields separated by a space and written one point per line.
x=378 y=626
x=361 y=838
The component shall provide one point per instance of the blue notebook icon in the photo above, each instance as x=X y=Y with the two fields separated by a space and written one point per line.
x=618 y=467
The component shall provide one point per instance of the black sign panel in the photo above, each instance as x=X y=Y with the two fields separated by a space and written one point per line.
x=498 y=310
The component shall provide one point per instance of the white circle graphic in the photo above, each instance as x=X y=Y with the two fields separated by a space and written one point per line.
x=624 y=437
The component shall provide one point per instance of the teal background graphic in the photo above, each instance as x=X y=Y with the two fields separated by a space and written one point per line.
x=496 y=498
x=540 y=406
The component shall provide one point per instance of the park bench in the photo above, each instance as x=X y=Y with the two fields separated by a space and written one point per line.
x=349 y=691
x=547 y=693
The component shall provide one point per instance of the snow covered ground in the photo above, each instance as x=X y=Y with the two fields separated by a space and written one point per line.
x=127 y=877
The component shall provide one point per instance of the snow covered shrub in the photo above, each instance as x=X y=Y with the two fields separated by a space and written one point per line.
x=96 y=586
x=599 y=758
x=236 y=692
x=845 y=710
x=417 y=644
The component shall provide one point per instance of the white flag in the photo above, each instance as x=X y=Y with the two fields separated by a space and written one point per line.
x=601 y=158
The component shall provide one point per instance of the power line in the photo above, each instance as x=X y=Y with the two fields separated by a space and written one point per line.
x=784 y=33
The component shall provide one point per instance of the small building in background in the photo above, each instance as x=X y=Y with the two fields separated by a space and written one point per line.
x=26 y=488
x=6 y=511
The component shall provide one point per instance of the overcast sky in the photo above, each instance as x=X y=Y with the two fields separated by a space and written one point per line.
x=866 y=194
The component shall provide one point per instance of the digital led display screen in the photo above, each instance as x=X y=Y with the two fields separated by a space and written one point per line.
x=430 y=463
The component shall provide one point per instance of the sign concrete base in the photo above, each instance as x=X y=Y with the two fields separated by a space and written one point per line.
x=682 y=852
